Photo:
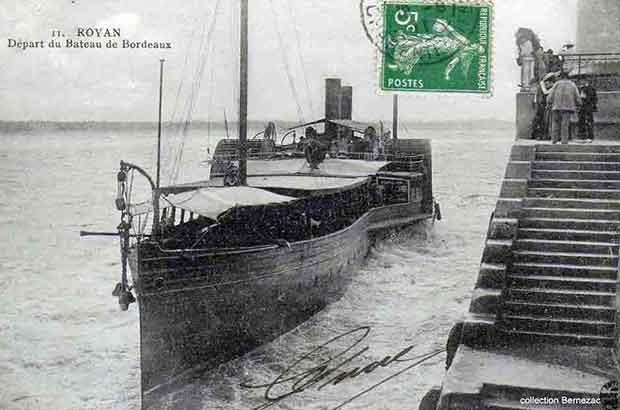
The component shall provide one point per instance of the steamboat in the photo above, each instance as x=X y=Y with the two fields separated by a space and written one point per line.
x=222 y=266
x=226 y=268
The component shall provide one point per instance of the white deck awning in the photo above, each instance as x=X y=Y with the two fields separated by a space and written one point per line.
x=333 y=167
x=212 y=202
x=318 y=184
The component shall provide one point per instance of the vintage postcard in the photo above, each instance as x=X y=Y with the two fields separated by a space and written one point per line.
x=318 y=205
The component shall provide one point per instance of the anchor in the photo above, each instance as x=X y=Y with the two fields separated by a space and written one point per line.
x=122 y=290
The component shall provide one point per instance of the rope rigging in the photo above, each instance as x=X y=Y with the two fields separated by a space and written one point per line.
x=285 y=61
x=291 y=11
x=183 y=111
x=195 y=91
x=206 y=47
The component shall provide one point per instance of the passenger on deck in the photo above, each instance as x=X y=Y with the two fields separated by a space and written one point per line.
x=333 y=149
x=301 y=144
x=315 y=149
x=370 y=139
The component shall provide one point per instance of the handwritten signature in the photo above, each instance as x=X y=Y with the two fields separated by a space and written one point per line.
x=334 y=370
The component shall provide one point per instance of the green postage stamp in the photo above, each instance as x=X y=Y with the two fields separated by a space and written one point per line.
x=436 y=47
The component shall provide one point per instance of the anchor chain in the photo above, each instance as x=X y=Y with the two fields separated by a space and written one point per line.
x=122 y=290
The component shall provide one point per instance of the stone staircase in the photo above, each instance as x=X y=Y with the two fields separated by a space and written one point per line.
x=543 y=316
x=560 y=284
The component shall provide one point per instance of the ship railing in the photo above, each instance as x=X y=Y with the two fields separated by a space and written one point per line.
x=274 y=155
x=378 y=156
x=367 y=156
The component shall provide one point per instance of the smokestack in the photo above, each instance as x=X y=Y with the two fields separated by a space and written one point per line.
x=346 y=103
x=332 y=103
x=346 y=109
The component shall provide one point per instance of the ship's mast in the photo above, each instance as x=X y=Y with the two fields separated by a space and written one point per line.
x=156 y=189
x=161 y=84
x=243 y=94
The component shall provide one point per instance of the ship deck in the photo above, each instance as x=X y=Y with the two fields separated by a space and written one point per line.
x=333 y=175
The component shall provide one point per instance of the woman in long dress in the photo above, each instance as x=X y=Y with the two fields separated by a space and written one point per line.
x=542 y=120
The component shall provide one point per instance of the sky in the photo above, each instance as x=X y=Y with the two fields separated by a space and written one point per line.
x=294 y=46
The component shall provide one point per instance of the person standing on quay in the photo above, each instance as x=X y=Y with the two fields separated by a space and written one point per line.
x=589 y=104
x=564 y=101
x=541 y=122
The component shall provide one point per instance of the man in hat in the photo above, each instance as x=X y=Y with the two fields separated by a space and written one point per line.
x=564 y=101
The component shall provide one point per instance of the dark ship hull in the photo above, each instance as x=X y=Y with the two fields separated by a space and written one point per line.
x=197 y=311
x=202 y=307
x=230 y=264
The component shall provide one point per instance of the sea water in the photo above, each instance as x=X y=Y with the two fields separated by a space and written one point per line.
x=64 y=344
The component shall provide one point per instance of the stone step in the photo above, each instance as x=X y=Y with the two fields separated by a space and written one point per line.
x=491 y=276
x=558 y=310
x=579 y=175
x=580 y=148
x=570 y=213
x=570 y=223
x=496 y=250
x=559 y=283
x=547 y=325
x=574 y=184
x=576 y=165
x=564 y=270
x=568 y=235
x=578 y=156
x=580 y=203
x=573 y=193
x=552 y=245
x=570 y=297
x=566 y=258
x=532 y=337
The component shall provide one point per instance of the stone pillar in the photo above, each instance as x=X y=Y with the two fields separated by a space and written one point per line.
x=598 y=31
x=525 y=114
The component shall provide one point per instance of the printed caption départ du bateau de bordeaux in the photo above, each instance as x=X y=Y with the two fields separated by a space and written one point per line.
x=88 y=37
